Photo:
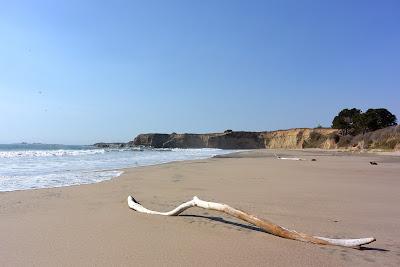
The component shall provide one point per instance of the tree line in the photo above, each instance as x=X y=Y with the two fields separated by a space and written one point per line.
x=354 y=121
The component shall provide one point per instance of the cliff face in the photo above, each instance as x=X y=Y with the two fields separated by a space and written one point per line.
x=153 y=140
x=294 y=138
x=237 y=140
x=301 y=138
x=325 y=138
x=229 y=140
x=386 y=139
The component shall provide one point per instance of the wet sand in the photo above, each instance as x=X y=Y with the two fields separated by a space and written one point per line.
x=339 y=195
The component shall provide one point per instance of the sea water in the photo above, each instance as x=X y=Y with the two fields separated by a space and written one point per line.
x=32 y=166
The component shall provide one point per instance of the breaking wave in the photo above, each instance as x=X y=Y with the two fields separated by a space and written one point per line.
x=44 y=166
x=49 y=153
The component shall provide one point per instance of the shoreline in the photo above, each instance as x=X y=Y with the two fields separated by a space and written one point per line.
x=91 y=224
x=234 y=154
x=92 y=174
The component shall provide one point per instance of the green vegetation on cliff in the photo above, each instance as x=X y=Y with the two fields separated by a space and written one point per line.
x=354 y=121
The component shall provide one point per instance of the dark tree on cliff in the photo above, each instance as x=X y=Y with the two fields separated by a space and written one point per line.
x=353 y=121
x=379 y=118
x=345 y=120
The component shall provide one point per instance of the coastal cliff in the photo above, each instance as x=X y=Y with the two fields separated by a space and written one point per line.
x=301 y=138
x=298 y=138
x=226 y=140
x=293 y=138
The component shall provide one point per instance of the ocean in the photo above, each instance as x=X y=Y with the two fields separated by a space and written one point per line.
x=32 y=166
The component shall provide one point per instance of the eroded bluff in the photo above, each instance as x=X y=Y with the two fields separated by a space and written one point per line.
x=293 y=138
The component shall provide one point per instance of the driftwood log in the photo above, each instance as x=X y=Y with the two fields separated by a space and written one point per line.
x=293 y=158
x=265 y=225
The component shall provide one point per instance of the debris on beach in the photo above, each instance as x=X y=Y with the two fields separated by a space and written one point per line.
x=265 y=225
x=373 y=163
x=284 y=158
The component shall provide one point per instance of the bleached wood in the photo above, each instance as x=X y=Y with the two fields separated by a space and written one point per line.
x=267 y=226
x=294 y=158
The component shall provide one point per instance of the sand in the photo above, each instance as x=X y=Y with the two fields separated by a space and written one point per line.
x=339 y=195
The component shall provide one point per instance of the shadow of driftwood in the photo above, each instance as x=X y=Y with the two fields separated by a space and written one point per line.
x=222 y=220
x=374 y=249
x=253 y=228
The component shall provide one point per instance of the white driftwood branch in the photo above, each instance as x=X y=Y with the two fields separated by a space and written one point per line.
x=295 y=158
x=267 y=226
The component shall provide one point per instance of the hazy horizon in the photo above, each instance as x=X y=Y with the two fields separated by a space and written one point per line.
x=81 y=73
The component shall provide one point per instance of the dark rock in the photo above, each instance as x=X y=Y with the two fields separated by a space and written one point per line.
x=152 y=140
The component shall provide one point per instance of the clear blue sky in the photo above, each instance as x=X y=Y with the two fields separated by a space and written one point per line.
x=78 y=72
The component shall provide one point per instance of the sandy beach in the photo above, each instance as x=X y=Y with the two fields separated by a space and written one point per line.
x=339 y=195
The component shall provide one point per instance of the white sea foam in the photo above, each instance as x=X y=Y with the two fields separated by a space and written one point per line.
x=22 y=169
x=49 y=153
x=13 y=183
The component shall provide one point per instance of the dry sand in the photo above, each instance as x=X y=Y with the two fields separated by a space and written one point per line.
x=339 y=195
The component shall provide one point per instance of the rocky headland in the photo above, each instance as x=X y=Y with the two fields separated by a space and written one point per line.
x=298 y=138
